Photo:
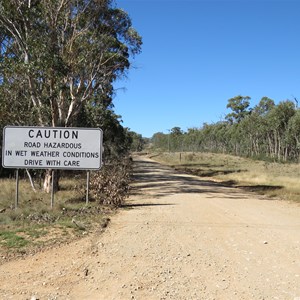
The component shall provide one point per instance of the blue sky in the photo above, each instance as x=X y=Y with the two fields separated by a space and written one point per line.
x=197 y=54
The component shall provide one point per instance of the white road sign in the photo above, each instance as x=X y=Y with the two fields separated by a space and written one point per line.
x=52 y=148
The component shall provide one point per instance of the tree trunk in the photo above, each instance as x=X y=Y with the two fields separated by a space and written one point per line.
x=48 y=181
x=31 y=180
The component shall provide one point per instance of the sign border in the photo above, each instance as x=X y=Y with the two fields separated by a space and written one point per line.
x=53 y=167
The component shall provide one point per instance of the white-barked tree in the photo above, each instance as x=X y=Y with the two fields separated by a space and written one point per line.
x=58 y=55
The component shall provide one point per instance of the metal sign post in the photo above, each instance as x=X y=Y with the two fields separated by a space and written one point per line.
x=52 y=190
x=17 y=189
x=65 y=148
x=87 y=187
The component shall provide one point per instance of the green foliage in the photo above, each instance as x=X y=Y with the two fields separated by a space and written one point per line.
x=268 y=131
x=58 y=62
x=264 y=106
x=160 y=141
x=57 y=55
x=239 y=106
x=176 y=131
x=136 y=141
x=116 y=139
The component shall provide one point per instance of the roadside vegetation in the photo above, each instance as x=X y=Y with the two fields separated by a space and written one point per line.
x=256 y=148
x=266 y=131
x=274 y=179
x=35 y=225
x=59 y=61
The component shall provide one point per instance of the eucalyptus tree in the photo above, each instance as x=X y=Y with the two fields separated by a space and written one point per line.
x=64 y=52
x=193 y=139
x=175 y=139
x=57 y=55
x=278 y=120
x=116 y=138
x=160 y=141
x=137 y=142
x=260 y=128
x=208 y=140
x=20 y=113
x=264 y=106
x=294 y=134
x=239 y=106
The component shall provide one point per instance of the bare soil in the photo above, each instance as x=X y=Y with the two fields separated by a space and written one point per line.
x=178 y=237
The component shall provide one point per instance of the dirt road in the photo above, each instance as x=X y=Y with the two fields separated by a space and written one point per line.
x=179 y=238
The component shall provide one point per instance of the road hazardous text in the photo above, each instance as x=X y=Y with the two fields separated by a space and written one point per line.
x=47 y=147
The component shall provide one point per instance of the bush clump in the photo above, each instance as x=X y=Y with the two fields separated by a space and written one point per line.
x=110 y=185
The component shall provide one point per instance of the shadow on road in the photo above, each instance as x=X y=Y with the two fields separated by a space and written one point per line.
x=130 y=206
x=157 y=180
x=152 y=179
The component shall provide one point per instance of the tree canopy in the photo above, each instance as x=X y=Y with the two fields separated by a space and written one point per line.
x=267 y=131
x=239 y=107
x=59 y=60
x=58 y=55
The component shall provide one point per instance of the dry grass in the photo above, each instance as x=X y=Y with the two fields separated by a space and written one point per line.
x=39 y=200
x=269 y=178
x=34 y=224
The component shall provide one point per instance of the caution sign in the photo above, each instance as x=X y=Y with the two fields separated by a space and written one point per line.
x=52 y=148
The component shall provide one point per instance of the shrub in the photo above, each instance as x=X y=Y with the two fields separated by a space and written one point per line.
x=110 y=185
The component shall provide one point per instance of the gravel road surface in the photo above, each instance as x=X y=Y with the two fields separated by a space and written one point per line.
x=179 y=237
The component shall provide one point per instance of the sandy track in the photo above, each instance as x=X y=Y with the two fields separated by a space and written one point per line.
x=179 y=238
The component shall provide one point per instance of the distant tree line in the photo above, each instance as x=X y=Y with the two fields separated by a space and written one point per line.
x=266 y=131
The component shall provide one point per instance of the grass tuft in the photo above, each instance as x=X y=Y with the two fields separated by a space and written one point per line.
x=10 y=239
